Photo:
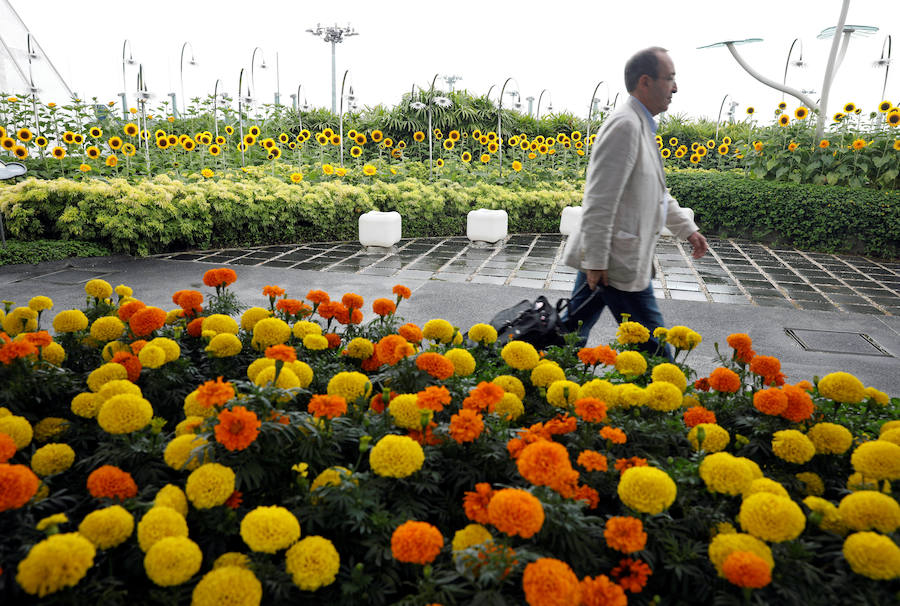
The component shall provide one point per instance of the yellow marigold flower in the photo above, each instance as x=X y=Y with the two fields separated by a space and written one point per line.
x=632 y=332
x=219 y=323
x=520 y=355
x=463 y=362
x=124 y=413
x=228 y=585
x=406 y=412
x=825 y=515
x=333 y=476
x=40 y=303
x=172 y=561
x=315 y=342
x=870 y=510
x=771 y=517
x=57 y=562
x=669 y=373
x=878 y=396
x=510 y=384
x=70 y=320
x=562 y=394
x=663 y=396
x=877 y=460
x=890 y=425
x=545 y=373
x=647 y=489
x=18 y=428
x=107 y=527
x=270 y=331
x=349 y=385
x=104 y=374
x=232 y=558
x=99 y=289
x=601 y=389
x=302 y=328
x=725 y=473
x=52 y=459
x=253 y=315
x=159 y=523
x=509 y=407
x=792 y=446
x=53 y=354
x=438 y=330
x=396 y=456
x=631 y=363
x=830 y=438
x=287 y=379
x=359 y=347
x=209 y=485
x=628 y=395
x=858 y=481
x=184 y=452
x=891 y=435
x=19 y=320
x=872 y=555
x=483 y=333
x=470 y=536
x=312 y=563
x=86 y=405
x=224 y=345
x=107 y=328
x=842 y=387
x=49 y=428
x=269 y=529
x=725 y=544
x=152 y=356
x=51 y=521
x=682 y=337
x=715 y=437
x=766 y=485
x=812 y=483
x=172 y=496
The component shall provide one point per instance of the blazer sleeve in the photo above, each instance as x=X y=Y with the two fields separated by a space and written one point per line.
x=678 y=220
x=612 y=160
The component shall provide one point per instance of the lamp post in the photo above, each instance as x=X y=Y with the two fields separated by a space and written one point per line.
x=451 y=80
x=432 y=101
x=216 y=105
x=262 y=65
x=341 y=115
x=499 y=120
x=537 y=114
x=719 y=117
x=798 y=63
x=143 y=96
x=181 y=75
x=591 y=109
x=32 y=89
x=242 y=100
x=125 y=62
x=335 y=35
x=885 y=61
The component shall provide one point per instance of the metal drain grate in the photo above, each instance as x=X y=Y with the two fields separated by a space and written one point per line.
x=836 y=341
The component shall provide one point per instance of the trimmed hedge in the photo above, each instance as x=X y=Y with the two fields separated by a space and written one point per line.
x=163 y=214
x=36 y=251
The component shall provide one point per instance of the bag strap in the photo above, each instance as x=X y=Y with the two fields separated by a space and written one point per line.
x=563 y=303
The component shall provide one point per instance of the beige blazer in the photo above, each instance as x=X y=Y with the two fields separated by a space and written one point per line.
x=624 y=197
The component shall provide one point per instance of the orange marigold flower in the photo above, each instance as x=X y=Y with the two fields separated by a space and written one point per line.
x=739 y=341
x=110 y=482
x=191 y=301
x=800 y=406
x=632 y=574
x=771 y=401
x=543 y=463
x=588 y=494
x=328 y=309
x=40 y=338
x=235 y=500
x=145 y=321
x=593 y=460
x=724 y=380
x=334 y=339
x=401 y=291
x=346 y=316
x=215 y=393
x=318 y=296
x=560 y=425
x=271 y=291
x=614 y=435
x=237 y=428
x=550 y=581
x=195 y=327
x=17 y=349
x=137 y=346
x=221 y=276
x=129 y=309
x=602 y=354
x=514 y=511
x=475 y=503
x=746 y=569
x=625 y=534
x=622 y=465
x=7 y=447
x=285 y=353
x=600 y=591
x=327 y=406
x=805 y=385
x=702 y=384
x=131 y=363
x=768 y=367
x=384 y=307
x=466 y=426
x=411 y=333
x=18 y=484
x=434 y=398
x=293 y=307
x=435 y=364
x=416 y=542
x=381 y=400
x=591 y=410
x=392 y=348
x=352 y=300
x=695 y=415
x=483 y=396
x=427 y=437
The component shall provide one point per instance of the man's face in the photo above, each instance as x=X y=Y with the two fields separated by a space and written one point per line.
x=661 y=88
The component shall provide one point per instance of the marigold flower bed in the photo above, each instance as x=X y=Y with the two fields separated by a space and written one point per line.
x=290 y=453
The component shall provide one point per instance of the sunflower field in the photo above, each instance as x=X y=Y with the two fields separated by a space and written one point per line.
x=314 y=449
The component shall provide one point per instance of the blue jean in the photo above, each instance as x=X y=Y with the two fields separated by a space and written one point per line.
x=641 y=307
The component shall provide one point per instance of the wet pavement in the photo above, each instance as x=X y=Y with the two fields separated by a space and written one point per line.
x=735 y=272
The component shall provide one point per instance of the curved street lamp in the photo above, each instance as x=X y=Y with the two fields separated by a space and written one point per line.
x=432 y=101
x=241 y=101
x=181 y=74
x=719 y=118
x=798 y=63
x=216 y=105
x=253 y=71
x=885 y=62
x=143 y=96
x=128 y=61
x=591 y=109
x=537 y=115
x=499 y=119
x=350 y=100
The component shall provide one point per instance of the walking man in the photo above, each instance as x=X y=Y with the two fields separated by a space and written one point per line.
x=626 y=204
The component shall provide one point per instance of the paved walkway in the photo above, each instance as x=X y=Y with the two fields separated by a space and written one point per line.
x=735 y=272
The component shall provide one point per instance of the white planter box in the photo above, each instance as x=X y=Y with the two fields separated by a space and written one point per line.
x=571 y=220
x=380 y=229
x=486 y=225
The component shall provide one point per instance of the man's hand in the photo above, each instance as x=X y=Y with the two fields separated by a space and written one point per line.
x=699 y=244
x=598 y=276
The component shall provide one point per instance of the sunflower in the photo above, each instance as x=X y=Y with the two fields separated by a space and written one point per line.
x=897 y=144
x=131 y=129
x=466 y=157
x=726 y=140
x=292 y=145
x=188 y=144
x=784 y=120
x=79 y=138
x=516 y=165
x=701 y=150
x=24 y=134
x=162 y=143
x=801 y=112
x=20 y=152
x=8 y=143
x=229 y=130
x=114 y=143
x=356 y=151
x=41 y=141
x=532 y=155
x=750 y=110
x=439 y=162
x=476 y=134
x=849 y=107
x=274 y=153
x=249 y=140
x=58 y=152
x=112 y=161
x=695 y=159
x=254 y=130
x=387 y=143
x=884 y=106
x=666 y=152
x=824 y=143
x=220 y=140
x=321 y=139
x=792 y=146
x=69 y=136
x=723 y=149
x=493 y=147
x=360 y=138
x=710 y=143
x=513 y=141
x=93 y=152
x=673 y=141
x=542 y=149
x=369 y=170
x=215 y=150
x=893 y=119
x=418 y=136
x=453 y=135
x=96 y=132
x=782 y=106
x=401 y=144
x=858 y=144
x=85 y=168
x=377 y=136
x=335 y=139
x=485 y=158
x=838 y=117
x=679 y=153
x=128 y=149
x=267 y=143
x=694 y=146
x=296 y=177
x=484 y=140
x=448 y=144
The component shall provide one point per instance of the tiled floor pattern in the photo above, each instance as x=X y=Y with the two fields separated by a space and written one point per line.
x=735 y=271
